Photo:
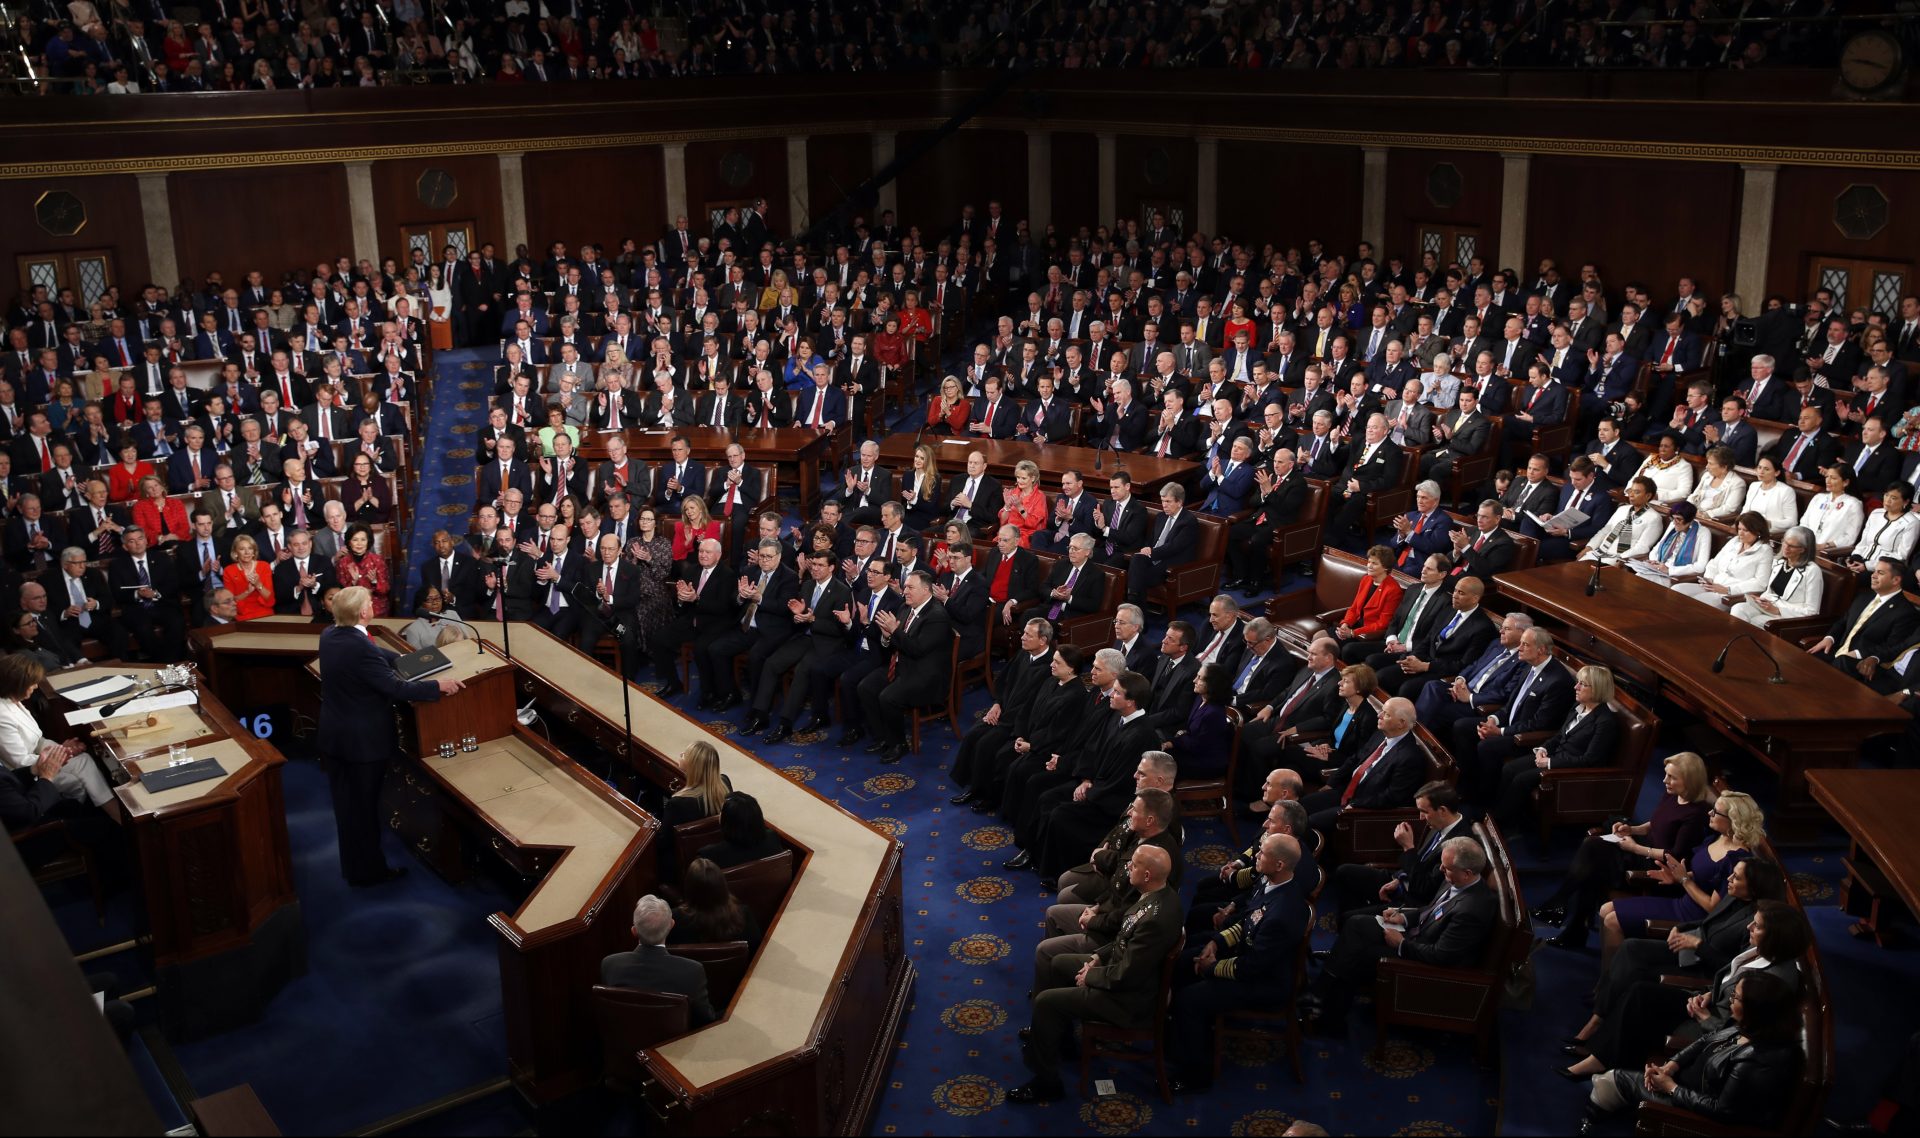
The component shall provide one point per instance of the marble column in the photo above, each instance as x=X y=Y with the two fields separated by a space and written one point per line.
x=366 y=230
x=156 y=217
x=1109 y=175
x=1758 y=182
x=884 y=142
x=1373 y=197
x=1206 y=209
x=513 y=201
x=673 y=168
x=1516 y=176
x=799 y=192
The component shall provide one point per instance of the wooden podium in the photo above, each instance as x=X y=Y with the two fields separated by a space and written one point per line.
x=215 y=867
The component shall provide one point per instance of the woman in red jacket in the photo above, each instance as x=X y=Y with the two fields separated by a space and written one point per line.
x=947 y=412
x=164 y=518
x=1374 y=603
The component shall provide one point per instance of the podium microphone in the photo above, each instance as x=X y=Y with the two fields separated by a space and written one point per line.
x=1594 y=585
x=479 y=648
x=1720 y=661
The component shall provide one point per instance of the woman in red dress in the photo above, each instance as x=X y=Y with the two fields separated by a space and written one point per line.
x=125 y=476
x=164 y=518
x=249 y=579
x=696 y=524
x=358 y=564
x=1373 y=604
x=947 y=411
x=1026 y=503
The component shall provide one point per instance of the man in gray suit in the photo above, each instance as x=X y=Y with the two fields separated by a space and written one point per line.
x=651 y=968
x=331 y=537
x=1409 y=419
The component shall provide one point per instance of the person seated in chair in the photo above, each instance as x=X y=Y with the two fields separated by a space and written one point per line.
x=1451 y=931
x=744 y=835
x=1417 y=878
x=649 y=967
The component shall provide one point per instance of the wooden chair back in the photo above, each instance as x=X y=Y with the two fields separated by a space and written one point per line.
x=726 y=964
x=630 y=1021
x=762 y=885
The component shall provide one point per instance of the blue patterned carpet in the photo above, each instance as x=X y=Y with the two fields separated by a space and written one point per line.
x=402 y=1002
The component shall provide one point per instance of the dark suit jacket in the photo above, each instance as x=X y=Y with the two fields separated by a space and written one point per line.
x=22 y=558
x=1374 y=472
x=1458 y=936
x=1588 y=744
x=1088 y=590
x=1454 y=654
x=465 y=585
x=1877 y=473
x=1821 y=451
x=1182 y=541
x=1391 y=782
x=357 y=693
x=1886 y=634
x=1544 y=705
x=984 y=514
x=652 y=968
x=924 y=652
x=1172 y=695
x=1270 y=675
x=286 y=579
x=1130 y=427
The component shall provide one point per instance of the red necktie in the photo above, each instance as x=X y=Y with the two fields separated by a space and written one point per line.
x=1793 y=456
x=1353 y=784
x=1666 y=357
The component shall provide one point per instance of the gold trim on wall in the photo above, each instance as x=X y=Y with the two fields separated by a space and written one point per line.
x=1547 y=147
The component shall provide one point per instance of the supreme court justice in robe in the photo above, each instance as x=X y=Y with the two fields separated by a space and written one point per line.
x=358 y=689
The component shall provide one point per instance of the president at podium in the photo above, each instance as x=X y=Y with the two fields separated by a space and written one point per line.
x=358 y=689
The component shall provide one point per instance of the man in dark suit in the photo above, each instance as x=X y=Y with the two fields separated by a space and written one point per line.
x=651 y=968
x=864 y=485
x=1072 y=515
x=1456 y=635
x=1174 y=541
x=819 y=613
x=1119 y=420
x=975 y=496
x=452 y=570
x=145 y=586
x=557 y=579
x=358 y=689
x=707 y=600
x=34 y=537
x=1769 y=396
x=1310 y=702
x=1802 y=453
x=1877 y=626
x=302 y=579
x=822 y=406
x=921 y=642
x=1837 y=358
x=1382 y=774
x=1170 y=693
x=1871 y=460
x=679 y=476
x=1074 y=586
x=1265 y=668
x=1582 y=492
x=1418 y=878
x=1451 y=931
x=766 y=621
x=1375 y=465
x=1282 y=493
x=609 y=596
x=1462 y=434
x=1538 y=700
x=1020 y=587
x=505 y=472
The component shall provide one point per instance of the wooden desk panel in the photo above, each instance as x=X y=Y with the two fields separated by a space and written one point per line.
x=1816 y=719
x=1876 y=809
x=796 y=449
x=1148 y=472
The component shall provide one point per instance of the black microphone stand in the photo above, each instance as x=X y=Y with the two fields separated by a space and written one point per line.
x=591 y=607
x=1720 y=661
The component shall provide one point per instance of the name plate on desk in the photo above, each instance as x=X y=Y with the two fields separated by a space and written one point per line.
x=167 y=778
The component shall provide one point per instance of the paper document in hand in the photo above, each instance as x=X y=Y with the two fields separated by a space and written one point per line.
x=1568 y=519
x=1652 y=571
x=137 y=707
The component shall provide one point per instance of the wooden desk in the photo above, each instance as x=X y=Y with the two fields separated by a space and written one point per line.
x=584 y=851
x=215 y=866
x=1148 y=472
x=796 y=449
x=1667 y=642
x=806 y=1046
x=1875 y=808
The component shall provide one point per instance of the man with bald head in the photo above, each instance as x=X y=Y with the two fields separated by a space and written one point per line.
x=1247 y=964
x=1117 y=984
x=1382 y=775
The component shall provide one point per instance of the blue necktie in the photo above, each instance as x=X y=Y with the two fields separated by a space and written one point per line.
x=1452 y=624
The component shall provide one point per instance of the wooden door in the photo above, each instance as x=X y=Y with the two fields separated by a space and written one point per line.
x=1876 y=286
x=432 y=238
x=87 y=272
x=1450 y=245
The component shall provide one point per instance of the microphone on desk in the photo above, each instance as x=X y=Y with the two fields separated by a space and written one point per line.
x=1720 y=661
x=109 y=710
x=1593 y=582
x=479 y=648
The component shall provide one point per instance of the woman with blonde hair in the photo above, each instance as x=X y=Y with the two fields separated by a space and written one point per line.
x=1629 y=850
x=1026 y=503
x=706 y=790
x=249 y=579
x=1692 y=886
x=920 y=488
x=695 y=525
x=947 y=411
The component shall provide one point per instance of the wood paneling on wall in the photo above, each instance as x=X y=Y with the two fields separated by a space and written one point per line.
x=271 y=218
x=1318 y=198
x=396 y=199
x=708 y=164
x=1609 y=212
x=1076 y=182
x=1409 y=204
x=604 y=196
x=969 y=167
x=1803 y=228
x=836 y=163
x=1155 y=169
x=113 y=222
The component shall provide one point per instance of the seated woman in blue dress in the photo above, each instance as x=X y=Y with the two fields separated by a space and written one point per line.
x=1694 y=887
x=1203 y=745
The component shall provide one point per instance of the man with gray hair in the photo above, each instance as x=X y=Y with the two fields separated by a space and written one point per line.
x=331 y=538
x=1451 y=931
x=651 y=968
x=1382 y=774
x=1129 y=626
x=707 y=604
x=1086 y=884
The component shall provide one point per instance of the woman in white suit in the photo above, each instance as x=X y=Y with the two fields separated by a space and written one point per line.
x=1683 y=550
x=1772 y=498
x=1719 y=492
x=22 y=744
x=1794 y=585
x=1741 y=566
x=1835 y=516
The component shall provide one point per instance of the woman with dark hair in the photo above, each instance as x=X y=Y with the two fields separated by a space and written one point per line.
x=360 y=564
x=709 y=913
x=1639 y=1017
x=23 y=640
x=744 y=836
x=1202 y=745
x=1702 y=947
x=1057 y=711
x=1742 y=1074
